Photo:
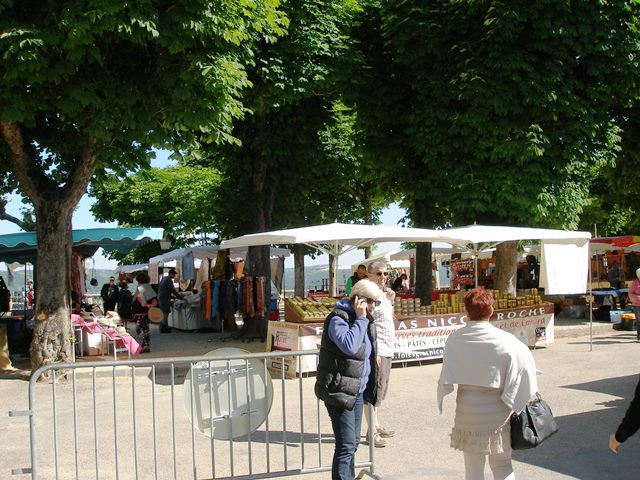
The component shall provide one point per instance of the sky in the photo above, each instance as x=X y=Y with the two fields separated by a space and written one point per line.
x=83 y=218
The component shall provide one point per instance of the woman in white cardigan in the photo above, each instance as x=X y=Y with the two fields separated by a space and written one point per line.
x=496 y=376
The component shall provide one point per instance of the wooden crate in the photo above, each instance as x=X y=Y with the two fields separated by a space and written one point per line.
x=292 y=315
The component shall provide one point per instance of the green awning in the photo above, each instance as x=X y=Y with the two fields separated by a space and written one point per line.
x=21 y=247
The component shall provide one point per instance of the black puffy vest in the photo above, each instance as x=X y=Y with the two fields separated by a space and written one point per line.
x=338 y=377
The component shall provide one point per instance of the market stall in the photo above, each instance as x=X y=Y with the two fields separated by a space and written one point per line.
x=194 y=267
x=421 y=331
x=564 y=267
x=22 y=247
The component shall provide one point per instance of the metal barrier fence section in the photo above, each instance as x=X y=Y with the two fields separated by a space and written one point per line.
x=219 y=416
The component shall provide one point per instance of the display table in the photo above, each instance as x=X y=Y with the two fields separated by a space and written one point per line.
x=419 y=337
x=187 y=317
x=96 y=337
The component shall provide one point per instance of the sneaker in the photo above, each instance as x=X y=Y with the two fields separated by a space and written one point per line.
x=379 y=442
x=145 y=350
x=385 y=433
x=165 y=329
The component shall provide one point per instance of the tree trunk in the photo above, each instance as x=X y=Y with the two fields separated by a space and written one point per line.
x=52 y=331
x=258 y=264
x=333 y=276
x=424 y=257
x=424 y=275
x=258 y=257
x=54 y=200
x=506 y=267
x=368 y=220
x=298 y=258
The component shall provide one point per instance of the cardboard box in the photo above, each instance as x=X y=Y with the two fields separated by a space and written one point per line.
x=94 y=344
x=287 y=337
x=616 y=315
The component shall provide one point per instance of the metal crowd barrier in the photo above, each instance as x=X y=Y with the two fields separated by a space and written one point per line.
x=131 y=419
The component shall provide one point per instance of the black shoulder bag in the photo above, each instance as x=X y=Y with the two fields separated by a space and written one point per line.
x=533 y=425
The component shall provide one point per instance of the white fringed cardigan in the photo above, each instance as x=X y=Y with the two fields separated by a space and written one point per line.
x=482 y=355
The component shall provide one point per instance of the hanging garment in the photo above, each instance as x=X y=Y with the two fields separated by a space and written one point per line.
x=206 y=301
x=259 y=294
x=220 y=267
x=215 y=298
x=249 y=306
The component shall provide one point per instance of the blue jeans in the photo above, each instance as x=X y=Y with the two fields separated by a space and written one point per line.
x=346 y=429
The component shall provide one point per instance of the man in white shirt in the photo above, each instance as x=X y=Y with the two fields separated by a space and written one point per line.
x=385 y=328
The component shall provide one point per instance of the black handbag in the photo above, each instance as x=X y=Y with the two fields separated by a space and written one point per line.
x=533 y=425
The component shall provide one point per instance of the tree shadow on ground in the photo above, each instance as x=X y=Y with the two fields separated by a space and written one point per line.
x=580 y=448
x=617 y=340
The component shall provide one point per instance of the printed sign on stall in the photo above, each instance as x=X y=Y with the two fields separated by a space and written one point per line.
x=424 y=337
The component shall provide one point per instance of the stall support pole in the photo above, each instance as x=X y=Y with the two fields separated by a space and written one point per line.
x=475 y=269
x=590 y=307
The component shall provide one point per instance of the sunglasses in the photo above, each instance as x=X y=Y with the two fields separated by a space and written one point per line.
x=386 y=274
x=371 y=301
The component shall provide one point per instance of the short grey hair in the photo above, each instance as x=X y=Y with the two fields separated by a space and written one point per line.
x=365 y=288
x=377 y=265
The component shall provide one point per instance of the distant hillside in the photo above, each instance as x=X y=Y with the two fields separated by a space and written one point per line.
x=16 y=282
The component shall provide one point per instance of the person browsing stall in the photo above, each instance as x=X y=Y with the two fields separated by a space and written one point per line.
x=109 y=294
x=144 y=298
x=360 y=273
x=347 y=371
x=634 y=295
x=496 y=376
x=125 y=303
x=401 y=284
x=166 y=292
x=385 y=331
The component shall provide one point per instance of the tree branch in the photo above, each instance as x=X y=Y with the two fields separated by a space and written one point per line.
x=10 y=218
x=81 y=172
x=33 y=180
x=29 y=176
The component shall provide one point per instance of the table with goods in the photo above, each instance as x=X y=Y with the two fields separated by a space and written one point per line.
x=421 y=330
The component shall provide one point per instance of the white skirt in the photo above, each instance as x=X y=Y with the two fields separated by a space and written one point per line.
x=481 y=422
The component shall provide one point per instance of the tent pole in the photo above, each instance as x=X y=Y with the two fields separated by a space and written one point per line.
x=590 y=307
x=475 y=269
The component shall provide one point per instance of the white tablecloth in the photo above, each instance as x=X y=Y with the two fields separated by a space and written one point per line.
x=187 y=318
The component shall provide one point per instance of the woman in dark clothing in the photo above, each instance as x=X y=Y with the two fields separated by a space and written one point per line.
x=125 y=302
x=401 y=283
x=347 y=371
x=630 y=423
x=144 y=298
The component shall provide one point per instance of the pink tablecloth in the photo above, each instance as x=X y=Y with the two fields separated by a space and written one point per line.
x=126 y=341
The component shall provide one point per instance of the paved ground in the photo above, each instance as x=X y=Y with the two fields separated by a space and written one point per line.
x=588 y=386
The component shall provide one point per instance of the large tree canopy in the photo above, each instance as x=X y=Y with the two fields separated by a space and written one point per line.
x=88 y=88
x=179 y=199
x=515 y=101
x=509 y=108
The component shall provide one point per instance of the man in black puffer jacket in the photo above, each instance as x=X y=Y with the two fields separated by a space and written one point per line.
x=347 y=371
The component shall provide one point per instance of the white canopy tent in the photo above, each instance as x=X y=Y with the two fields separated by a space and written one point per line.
x=189 y=260
x=136 y=267
x=387 y=257
x=564 y=262
x=564 y=255
x=335 y=239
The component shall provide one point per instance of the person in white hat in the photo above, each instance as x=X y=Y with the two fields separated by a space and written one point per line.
x=346 y=375
x=634 y=295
